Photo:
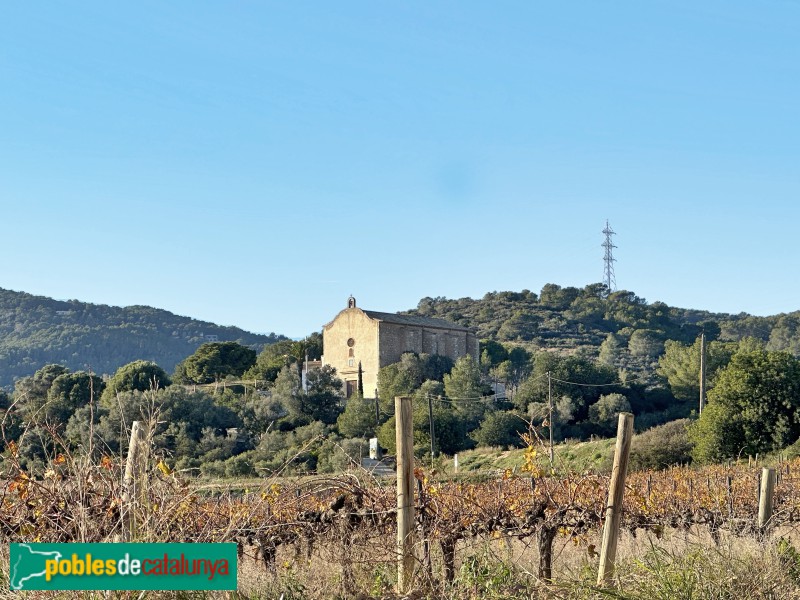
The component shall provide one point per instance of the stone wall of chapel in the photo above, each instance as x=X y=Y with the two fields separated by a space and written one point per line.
x=352 y=337
x=396 y=339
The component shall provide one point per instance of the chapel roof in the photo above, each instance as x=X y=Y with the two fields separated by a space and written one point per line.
x=417 y=320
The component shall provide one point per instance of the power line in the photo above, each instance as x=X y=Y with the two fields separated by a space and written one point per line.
x=587 y=384
x=474 y=400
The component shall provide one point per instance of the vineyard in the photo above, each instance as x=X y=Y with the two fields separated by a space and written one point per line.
x=353 y=516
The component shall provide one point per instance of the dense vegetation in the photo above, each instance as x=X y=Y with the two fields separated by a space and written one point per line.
x=563 y=363
x=619 y=328
x=35 y=331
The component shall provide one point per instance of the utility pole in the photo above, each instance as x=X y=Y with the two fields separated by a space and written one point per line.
x=550 y=420
x=702 y=371
x=377 y=411
x=608 y=273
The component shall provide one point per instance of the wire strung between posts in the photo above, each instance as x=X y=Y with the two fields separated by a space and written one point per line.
x=586 y=384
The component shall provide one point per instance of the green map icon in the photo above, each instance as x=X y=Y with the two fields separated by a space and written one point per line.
x=27 y=564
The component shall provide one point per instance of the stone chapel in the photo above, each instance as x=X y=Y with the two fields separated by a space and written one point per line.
x=367 y=340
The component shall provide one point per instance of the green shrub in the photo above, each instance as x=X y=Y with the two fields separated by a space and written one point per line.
x=661 y=446
x=448 y=430
x=337 y=455
x=240 y=466
x=500 y=429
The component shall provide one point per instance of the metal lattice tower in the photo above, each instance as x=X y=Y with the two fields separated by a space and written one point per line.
x=608 y=275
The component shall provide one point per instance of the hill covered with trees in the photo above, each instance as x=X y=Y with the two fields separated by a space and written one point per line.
x=618 y=328
x=35 y=331
x=561 y=364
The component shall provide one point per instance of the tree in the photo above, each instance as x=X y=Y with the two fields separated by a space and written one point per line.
x=400 y=379
x=324 y=396
x=139 y=375
x=645 y=343
x=82 y=425
x=463 y=387
x=556 y=297
x=786 y=334
x=214 y=361
x=178 y=415
x=464 y=381
x=629 y=306
x=754 y=407
x=271 y=360
x=500 y=428
x=711 y=329
x=31 y=392
x=492 y=354
x=435 y=366
x=276 y=356
x=311 y=346
x=588 y=310
x=358 y=418
x=322 y=401
x=259 y=414
x=449 y=426
x=521 y=325
x=503 y=372
x=291 y=451
x=520 y=358
x=610 y=351
x=604 y=413
x=518 y=369
x=68 y=393
x=288 y=392
x=573 y=369
x=680 y=365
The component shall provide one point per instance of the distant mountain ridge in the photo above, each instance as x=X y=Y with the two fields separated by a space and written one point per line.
x=36 y=330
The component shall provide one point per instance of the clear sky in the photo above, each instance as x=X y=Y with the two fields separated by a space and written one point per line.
x=254 y=163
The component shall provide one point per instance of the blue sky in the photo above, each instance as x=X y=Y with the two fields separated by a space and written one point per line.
x=254 y=163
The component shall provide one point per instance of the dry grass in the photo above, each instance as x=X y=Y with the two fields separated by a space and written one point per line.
x=681 y=564
x=78 y=500
x=678 y=564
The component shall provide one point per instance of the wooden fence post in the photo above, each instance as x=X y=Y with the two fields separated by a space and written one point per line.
x=616 y=490
x=765 y=497
x=404 y=437
x=134 y=486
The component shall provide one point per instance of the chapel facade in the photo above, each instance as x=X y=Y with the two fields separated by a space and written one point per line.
x=357 y=343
